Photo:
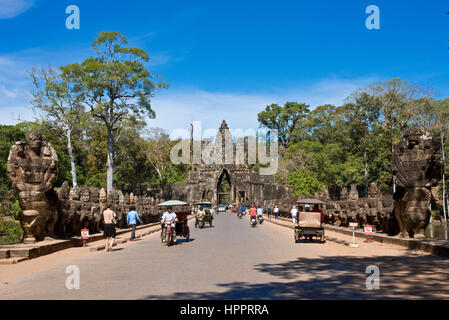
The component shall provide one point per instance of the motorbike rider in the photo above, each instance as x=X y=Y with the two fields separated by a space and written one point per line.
x=201 y=212
x=169 y=215
x=252 y=212
x=259 y=211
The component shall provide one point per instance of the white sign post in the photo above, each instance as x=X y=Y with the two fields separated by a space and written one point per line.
x=353 y=244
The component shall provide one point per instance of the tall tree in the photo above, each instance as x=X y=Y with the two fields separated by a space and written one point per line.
x=116 y=85
x=361 y=114
x=288 y=120
x=60 y=99
x=399 y=101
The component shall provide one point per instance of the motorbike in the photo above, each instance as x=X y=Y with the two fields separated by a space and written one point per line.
x=200 y=221
x=253 y=221
x=240 y=215
x=260 y=219
x=168 y=233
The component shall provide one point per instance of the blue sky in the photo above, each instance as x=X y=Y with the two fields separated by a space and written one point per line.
x=229 y=59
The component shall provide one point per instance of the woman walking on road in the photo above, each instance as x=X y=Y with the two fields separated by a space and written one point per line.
x=109 y=227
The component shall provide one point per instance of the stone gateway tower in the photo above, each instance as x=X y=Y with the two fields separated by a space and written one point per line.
x=231 y=169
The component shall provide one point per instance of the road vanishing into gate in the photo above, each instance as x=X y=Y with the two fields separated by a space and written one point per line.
x=233 y=261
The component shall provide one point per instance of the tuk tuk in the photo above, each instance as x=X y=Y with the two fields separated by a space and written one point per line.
x=181 y=227
x=201 y=221
x=310 y=220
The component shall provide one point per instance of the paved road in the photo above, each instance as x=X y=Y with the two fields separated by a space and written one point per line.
x=233 y=261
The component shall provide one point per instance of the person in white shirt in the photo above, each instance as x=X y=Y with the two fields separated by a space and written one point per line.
x=259 y=211
x=294 y=213
x=169 y=215
x=276 y=212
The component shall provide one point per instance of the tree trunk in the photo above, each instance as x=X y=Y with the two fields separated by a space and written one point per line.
x=392 y=155
x=365 y=167
x=444 y=179
x=72 y=160
x=110 y=162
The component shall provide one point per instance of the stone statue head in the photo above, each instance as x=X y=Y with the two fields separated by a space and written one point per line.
x=63 y=192
x=85 y=194
x=131 y=198
x=127 y=198
x=115 y=197
x=353 y=193
x=373 y=191
x=35 y=141
x=103 y=196
x=75 y=193
x=95 y=195
x=121 y=197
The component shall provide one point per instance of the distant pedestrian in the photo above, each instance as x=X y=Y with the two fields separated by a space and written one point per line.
x=294 y=213
x=269 y=212
x=109 y=227
x=276 y=212
x=131 y=220
x=259 y=211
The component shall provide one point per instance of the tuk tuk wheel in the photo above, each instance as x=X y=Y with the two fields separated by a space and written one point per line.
x=168 y=239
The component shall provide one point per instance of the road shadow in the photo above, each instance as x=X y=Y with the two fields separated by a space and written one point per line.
x=338 y=277
x=183 y=240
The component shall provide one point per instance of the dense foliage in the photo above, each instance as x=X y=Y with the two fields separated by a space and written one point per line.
x=352 y=143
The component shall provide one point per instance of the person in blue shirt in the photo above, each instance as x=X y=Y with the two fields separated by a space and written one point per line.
x=131 y=220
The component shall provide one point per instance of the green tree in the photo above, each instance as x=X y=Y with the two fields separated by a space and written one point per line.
x=304 y=182
x=60 y=99
x=287 y=120
x=115 y=85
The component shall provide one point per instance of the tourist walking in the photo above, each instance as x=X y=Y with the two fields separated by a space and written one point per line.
x=294 y=213
x=276 y=212
x=269 y=212
x=109 y=227
x=131 y=220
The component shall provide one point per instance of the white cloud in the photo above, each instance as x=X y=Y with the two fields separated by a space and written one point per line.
x=176 y=109
x=13 y=8
x=8 y=93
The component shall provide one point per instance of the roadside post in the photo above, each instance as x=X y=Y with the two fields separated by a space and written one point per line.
x=84 y=236
x=368 y=230
x=353 y=244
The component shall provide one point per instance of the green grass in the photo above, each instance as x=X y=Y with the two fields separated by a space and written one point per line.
x=10 y=232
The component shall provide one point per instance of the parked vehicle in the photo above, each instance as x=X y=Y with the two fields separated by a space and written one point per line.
x=222 y=207
x=310 y=223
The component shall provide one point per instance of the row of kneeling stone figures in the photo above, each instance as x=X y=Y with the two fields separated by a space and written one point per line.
x=79 y=208
x=375 y=212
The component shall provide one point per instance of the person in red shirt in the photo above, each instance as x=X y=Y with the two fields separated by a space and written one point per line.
x=253 y=211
